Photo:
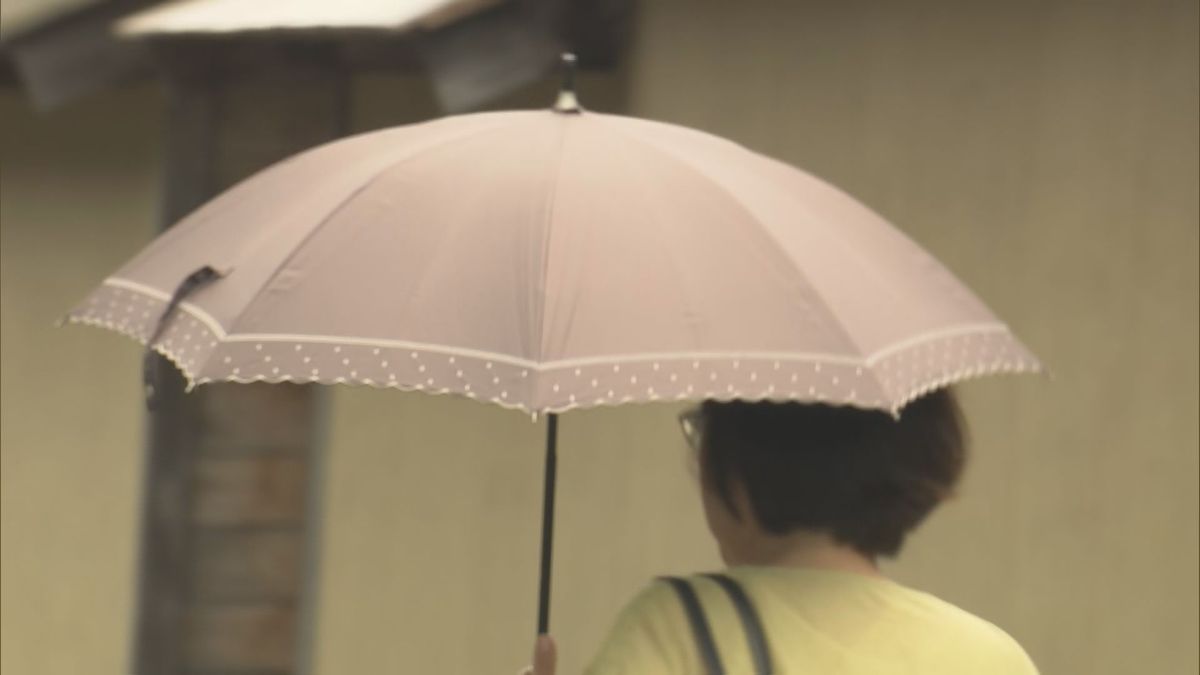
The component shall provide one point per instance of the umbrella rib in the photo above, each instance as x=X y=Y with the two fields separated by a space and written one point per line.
x=863 y=358
x=669 y=253
x=555 y=179
x=741 y=205
x=694 y=170
x=328 y=217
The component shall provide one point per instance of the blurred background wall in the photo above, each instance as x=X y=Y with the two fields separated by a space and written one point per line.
x=1045 y=151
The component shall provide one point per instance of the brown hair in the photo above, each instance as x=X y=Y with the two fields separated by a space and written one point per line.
x=862 y=476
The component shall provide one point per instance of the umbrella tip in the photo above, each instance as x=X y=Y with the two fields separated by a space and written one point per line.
x=567 y=102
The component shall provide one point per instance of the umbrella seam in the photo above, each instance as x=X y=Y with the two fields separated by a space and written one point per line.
x=328 y=217
x=740 y=205
x=547 y=226
x=817 y=180
x=668 y=251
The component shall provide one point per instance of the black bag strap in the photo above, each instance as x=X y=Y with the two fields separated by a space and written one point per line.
x=751 y=623
x=699 y=624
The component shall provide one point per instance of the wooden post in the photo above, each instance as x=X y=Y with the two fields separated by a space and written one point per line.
x=230 y=468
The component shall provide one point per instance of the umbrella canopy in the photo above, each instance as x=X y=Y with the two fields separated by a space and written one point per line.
x=547 y=261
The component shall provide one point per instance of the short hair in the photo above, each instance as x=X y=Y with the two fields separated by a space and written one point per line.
x=863 y=476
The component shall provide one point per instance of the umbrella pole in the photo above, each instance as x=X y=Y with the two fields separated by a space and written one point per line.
x=543 y=626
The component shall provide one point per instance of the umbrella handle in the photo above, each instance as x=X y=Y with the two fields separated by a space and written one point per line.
x=543 y=625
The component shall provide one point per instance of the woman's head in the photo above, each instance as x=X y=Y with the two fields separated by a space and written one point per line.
x=861 y=477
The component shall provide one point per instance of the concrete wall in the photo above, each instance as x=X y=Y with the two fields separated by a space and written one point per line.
x=1047 y=152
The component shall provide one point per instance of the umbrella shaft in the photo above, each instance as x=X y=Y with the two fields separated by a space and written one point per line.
x=547 y=523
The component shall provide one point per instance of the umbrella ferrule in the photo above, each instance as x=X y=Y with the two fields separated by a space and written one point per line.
x=567 y=101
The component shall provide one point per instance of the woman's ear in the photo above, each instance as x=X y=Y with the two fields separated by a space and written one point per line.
x=743 y=508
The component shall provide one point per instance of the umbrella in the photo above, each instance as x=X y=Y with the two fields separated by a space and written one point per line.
x=552 y=260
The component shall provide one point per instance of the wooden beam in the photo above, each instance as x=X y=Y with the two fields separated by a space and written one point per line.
x=75 y=54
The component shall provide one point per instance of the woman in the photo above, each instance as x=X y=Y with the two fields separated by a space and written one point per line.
x=803 y=499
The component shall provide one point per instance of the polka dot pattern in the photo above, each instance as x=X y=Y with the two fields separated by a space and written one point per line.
x=886 y=381
x=187 y=340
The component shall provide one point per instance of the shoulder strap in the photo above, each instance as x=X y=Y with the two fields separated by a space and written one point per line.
x=699 y=624
x=751 y=623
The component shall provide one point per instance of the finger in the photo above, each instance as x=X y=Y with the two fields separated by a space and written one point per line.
x=545 y=656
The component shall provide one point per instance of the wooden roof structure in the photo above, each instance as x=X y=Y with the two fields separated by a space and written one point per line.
x=474 y=51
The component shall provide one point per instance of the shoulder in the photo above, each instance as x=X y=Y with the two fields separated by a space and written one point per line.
x=656 y=603
x=983 y=644
x=647 y=635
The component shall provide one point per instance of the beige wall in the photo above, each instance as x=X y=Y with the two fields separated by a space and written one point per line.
x=78 y=196
x=1046 y=151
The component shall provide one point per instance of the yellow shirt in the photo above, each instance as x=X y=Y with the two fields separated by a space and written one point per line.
x=816 y=621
